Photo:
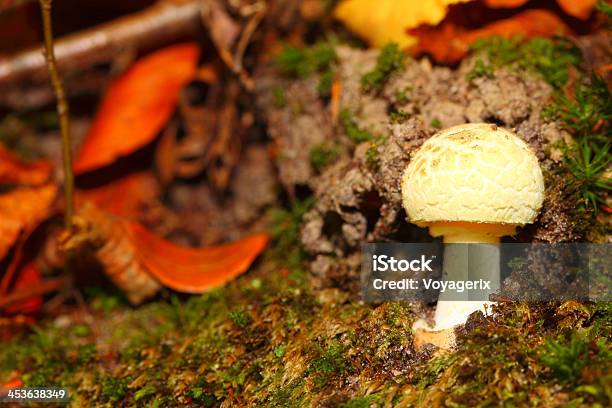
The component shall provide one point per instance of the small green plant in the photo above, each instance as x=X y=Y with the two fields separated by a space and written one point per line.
x=353 y=131
x=587 y=114
x=479 y=70
x=565 y=357
x=322 y=155
x=588 y=167
x=390 y=60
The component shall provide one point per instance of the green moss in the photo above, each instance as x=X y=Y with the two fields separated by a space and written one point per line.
x=115 y=389
x=322 y=155
x=280 y=97
x=329 y=362
x=300 y=62
x=325 y=83
x=399 y=116
x=480 y=69
x=363 y=402
x=435 y=123
x=604 y=7
x=352 y=130
x=390 y=60
x=402 y=96
x=565 y=357
x=240 y=318
x=551 y=59
x=372 y=154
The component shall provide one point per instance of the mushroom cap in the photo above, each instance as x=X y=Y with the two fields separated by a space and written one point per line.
x=477 y=173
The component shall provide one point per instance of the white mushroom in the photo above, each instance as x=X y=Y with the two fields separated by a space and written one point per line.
x=472 y=183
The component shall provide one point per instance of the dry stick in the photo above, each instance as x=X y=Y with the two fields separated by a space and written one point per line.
x=164 y=21
x=37 y=289
x=62 y=111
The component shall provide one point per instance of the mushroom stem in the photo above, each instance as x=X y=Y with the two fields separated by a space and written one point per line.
x=468 y=262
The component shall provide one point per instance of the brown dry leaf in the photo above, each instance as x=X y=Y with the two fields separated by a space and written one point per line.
x=449 y=42
x=23 y=209
x=136 y=260
x=386 y=21
x=137 y=105
x=125 y=197
x=14 y=170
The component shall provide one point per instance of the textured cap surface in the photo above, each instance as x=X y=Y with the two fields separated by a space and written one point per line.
x=473 y=173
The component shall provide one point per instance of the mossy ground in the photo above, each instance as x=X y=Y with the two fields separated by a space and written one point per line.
x=269 y=340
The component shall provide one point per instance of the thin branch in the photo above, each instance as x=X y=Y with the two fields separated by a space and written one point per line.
x=62 y=111
x=37 y=289
x=164 y=21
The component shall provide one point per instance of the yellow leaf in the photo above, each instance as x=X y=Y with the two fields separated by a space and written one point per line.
x=383 y=21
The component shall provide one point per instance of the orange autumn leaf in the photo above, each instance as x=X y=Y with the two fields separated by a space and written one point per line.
x=23 y=209
x=14 y=170
x=137 y=261
x=137 y=105
x=578 y=8
x=195 y=270
x=449 y=42
x=125 y=197
x=504 y=3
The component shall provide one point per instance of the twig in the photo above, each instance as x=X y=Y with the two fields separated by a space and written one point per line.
x=35 y=290
x=164 y=21
x=62 y=111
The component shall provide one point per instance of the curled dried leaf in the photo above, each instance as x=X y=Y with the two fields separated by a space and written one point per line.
x=137 y=261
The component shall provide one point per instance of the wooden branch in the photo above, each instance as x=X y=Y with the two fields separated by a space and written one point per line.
x=164 y=21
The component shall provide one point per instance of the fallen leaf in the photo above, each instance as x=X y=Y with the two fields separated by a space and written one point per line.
x=195 y=270
x=137 y=261
x=504 y=3
x=578 y=8
x=23 y=208
x=449 y=42
x=137 y=105
x=386 y=21
x=27 y=277
x=125 y=197
x=14 y=170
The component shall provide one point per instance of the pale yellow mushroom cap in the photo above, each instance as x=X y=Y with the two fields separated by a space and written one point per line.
x=477 y=173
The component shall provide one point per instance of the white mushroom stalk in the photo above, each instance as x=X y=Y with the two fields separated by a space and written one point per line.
x=472 y=183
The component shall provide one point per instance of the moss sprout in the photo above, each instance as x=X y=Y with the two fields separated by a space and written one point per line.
x=352 y=130
x=322 y=155
x=390 y=60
